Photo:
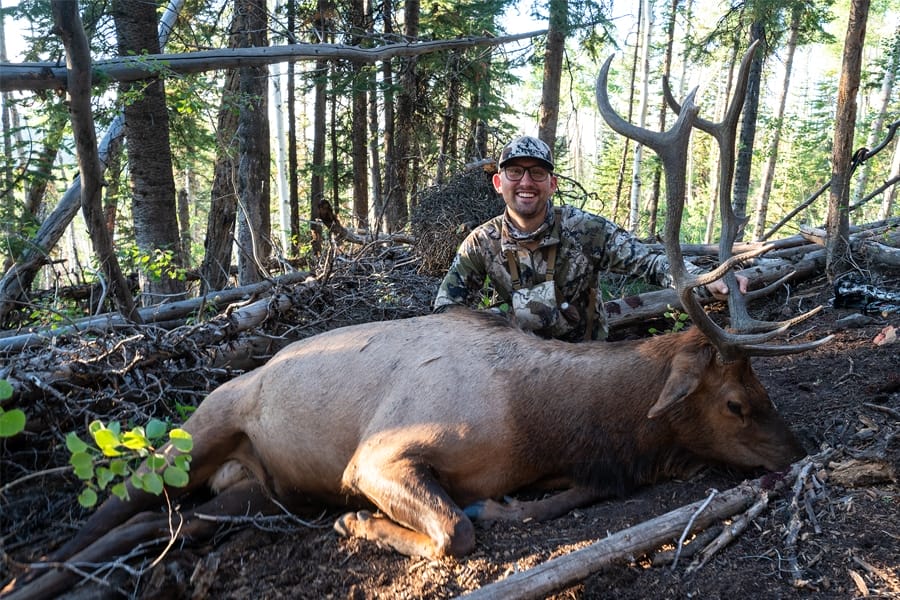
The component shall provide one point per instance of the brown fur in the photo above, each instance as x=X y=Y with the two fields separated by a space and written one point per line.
x=421 y=417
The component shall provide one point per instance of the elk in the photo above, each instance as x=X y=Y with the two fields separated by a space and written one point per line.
x=420 y=426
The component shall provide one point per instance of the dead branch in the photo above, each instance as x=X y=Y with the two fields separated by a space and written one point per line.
x=155 y=349
x=564 y=571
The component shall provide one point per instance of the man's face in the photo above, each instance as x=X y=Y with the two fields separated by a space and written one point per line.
x=526 y=198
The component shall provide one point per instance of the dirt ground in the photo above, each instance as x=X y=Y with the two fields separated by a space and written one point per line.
x=843 y=396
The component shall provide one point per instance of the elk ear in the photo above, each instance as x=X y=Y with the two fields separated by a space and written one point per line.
x=683 y=380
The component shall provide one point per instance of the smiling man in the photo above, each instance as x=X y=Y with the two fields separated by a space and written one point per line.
x=544 y=262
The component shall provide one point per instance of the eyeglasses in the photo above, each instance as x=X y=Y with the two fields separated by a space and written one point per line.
x=515 y=173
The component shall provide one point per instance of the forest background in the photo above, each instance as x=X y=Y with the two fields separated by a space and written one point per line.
x=227 y=169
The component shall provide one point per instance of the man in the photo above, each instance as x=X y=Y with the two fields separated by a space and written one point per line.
x=515 y=249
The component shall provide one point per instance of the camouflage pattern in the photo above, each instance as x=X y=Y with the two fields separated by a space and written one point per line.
x=588 y=247
x=526 y=147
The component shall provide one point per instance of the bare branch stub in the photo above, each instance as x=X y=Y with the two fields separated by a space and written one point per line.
x=672 y=148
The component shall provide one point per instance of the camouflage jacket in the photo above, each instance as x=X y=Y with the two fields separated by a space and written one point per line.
x=588 y=246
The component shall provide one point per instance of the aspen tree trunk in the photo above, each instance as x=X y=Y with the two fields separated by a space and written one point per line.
x=653 y=204
x=890 y=194
x=887 y=91
x=635 y=200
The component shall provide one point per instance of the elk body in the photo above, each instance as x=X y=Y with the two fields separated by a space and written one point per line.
x=426 y=417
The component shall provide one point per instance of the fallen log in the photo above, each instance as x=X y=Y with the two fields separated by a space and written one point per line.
x=15 y=341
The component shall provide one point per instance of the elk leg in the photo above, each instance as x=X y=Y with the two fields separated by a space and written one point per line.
x=245 y=498
x=420 y=518
x=544 y=509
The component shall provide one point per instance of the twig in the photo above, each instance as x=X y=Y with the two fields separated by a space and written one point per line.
x=846 y=375
x=795 y=524
x=885 y=409
x=36 y=474
x=690 y=526
x=730 y=532
x=173 y=531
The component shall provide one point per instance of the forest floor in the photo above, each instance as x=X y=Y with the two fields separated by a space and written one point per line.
x=843 y=396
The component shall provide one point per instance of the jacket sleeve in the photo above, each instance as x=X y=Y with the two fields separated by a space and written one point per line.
x=465 y=277
x=621 y=252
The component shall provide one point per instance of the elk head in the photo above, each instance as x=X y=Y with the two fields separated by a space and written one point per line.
x=672 y=147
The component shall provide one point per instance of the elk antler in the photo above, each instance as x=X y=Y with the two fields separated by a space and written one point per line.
x=672 y=147
x=725 y=134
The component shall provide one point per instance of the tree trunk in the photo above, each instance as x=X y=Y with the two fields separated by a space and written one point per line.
x=216 y=267
x=838 y=223
x=398 y=209
x=890 y=194
x=762 y=203
x=149 y=154
x=293 y=166
x=390 y=152
x=620 y=178
x=184 y=226
x=553 y=60
x=634 y=205
x=359 y=125
x=78 y=61
x=320 y=108
x=741 y=186
x=450 y=116
x=653 y=204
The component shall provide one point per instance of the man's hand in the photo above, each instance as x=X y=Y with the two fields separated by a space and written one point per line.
x=720 y=291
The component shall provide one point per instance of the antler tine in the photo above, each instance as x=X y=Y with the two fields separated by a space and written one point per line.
x=725 y=134
x=662 y=142
x=672 y=148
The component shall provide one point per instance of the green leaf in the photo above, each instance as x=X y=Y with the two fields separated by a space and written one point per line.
x=119 y=467
x=11 y=422
x=182 y=440
x=156 y=429
x=75 y=443
x=83 y=464
x=120 y=490
x=175 y=477
x=104 y=476
x=153 y=483
x=87 y=498
x=6 y=389
x=183 y=462
x=156 y=462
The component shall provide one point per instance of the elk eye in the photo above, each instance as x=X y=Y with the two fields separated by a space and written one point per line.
x=735 y=407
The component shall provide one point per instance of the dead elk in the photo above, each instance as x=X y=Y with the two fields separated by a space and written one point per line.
x=421 y=418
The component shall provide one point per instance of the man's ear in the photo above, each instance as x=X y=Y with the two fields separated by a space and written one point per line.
x=496 y=180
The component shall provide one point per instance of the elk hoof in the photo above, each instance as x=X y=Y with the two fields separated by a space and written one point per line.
x=349 y=524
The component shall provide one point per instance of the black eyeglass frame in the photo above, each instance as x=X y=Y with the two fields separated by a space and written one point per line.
x=530 y=172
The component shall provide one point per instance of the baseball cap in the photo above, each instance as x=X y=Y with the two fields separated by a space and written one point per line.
x=526 y=147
